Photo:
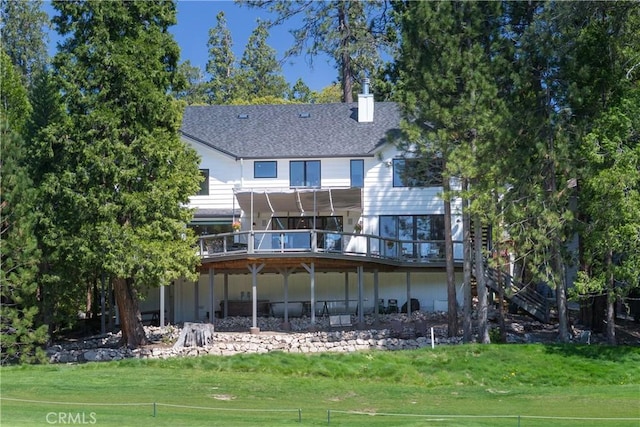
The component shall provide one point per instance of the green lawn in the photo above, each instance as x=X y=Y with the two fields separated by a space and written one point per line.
x=479 y=385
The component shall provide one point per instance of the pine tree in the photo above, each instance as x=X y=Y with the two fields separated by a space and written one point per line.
x=353 y=33
x=21 y=335
x=24 y=37
x=222 y=63
x=195 y=88
x=604 y=95
x=450 y=105
x=126 y=176
x=259 y=74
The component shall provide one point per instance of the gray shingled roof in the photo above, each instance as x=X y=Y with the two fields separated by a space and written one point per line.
x=277 y=131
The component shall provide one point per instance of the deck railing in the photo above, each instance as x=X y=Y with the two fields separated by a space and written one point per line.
x=325 y=241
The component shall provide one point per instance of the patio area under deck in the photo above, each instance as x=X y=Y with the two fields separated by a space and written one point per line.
x=244 y=252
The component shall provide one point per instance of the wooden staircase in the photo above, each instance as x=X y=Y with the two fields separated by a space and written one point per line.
x=523 y=296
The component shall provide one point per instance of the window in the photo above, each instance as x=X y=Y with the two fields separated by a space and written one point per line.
x=357 y=173
x=204 y=184
x=417 y=172
x=265 y=169
x=425 y=234
x=325 y=240
x=304 y=173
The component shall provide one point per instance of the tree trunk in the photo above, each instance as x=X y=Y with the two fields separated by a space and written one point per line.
x=501 y=287
x=452 y=302
x=467 y=324
x=195 y=335
x=133 y=335
x=561 y=298
x=611 y=299
x=483 y=328
x=345 y=62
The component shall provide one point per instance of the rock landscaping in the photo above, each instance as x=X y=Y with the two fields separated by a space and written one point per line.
x=231 y=336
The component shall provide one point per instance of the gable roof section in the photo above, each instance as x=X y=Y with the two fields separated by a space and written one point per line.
x=291 y=131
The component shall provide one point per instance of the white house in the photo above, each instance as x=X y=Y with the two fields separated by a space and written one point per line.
x=329 y=223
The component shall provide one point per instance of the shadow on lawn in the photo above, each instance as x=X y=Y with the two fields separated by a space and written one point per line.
x=600 y=352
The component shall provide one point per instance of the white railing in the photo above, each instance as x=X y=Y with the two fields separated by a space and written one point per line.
x=325 y=241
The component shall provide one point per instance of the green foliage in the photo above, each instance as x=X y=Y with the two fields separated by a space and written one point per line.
x=329 y=94
x=20 y=335
x=118 y=190
x=611 y=229
x=353 y=33
x=24 y=37
x=222 y=62
x=300 y=92
x=259 y=74
x=450 y=105
x=15 y=105
x=195 y=88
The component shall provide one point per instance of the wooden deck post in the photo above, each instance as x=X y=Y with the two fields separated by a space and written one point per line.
x=360 y=295
x=312 y=281
x=212 y=306
x=255 y=269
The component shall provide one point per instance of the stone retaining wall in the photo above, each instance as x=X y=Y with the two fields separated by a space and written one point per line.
x=231 y=336
x=225 y=343
x=230 y=343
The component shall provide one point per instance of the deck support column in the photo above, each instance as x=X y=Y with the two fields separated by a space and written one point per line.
x=311 y=269
x=285 y=275
x=162 y=306
x=408 y=293
x=225 y=310
x=212 y=305
x=346 y=291
x=376 y=296
x=196 y=300
x=360 y=296
x=255 y=269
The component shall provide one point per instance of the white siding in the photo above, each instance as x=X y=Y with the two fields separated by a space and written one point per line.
x=380 y=197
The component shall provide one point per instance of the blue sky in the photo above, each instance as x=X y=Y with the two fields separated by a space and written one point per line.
x=196 y=18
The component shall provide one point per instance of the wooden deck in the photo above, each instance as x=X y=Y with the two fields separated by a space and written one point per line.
x=327 y=250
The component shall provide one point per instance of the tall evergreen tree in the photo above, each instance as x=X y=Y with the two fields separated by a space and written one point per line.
x=260 y=74
x=450 y=104
x=353 y=33
x=24 y=37
x=20 y=333
x=194 y=91
x=604 y=96
x=542 y=160
x=60 y=271
x=222 y=62
x=130 y=174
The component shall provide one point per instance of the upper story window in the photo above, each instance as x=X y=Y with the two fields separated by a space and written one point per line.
x=204 y=184
x=304 y=173
x=417 y=172
x=265 y=169
x=357 y=173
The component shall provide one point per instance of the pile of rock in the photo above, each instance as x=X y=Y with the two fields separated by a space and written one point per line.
x=315 y=339
x=231 y=336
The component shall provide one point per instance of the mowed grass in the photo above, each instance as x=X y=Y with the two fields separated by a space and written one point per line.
x=466 y=385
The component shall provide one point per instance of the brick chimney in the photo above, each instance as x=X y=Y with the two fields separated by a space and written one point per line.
x=365 y=104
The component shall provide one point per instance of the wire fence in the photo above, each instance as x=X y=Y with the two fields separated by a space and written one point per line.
x=342 y=417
